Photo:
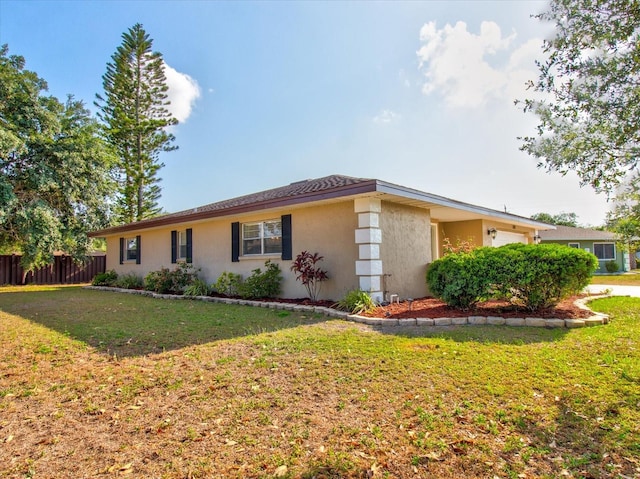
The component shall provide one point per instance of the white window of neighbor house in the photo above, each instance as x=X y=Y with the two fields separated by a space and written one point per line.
x=264 y=237
x=573 y=245
x=604 y=251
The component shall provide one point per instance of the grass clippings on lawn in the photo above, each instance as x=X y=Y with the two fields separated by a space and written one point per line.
x=100 y=384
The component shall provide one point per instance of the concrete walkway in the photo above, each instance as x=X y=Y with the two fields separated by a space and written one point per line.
x=616 y=290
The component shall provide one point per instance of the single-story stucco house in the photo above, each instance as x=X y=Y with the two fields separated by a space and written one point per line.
x=374 y=235
x=601 y=243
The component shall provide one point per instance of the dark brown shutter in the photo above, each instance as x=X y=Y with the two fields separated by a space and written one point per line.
x=287 y=247
x=138 y=251
x=121 y=250
x=189 y=245
x=174 y=246
x=235 y=242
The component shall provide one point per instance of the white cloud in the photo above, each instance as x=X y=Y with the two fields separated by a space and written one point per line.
x=183 y=93
x=455 y=63
x=386 y=116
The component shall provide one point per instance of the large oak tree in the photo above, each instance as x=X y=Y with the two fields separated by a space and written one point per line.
x=55 y=182
x=134 y=111
x=589 y=86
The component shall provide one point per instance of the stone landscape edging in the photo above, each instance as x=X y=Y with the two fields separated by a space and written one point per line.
x=594 y=320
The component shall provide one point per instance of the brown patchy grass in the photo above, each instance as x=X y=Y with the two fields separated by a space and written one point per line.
x=97 y=384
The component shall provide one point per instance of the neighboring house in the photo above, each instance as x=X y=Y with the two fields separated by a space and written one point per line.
x=600 y=243
x=374 y=235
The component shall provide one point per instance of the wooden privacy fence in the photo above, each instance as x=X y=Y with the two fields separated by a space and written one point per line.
x=62 y=271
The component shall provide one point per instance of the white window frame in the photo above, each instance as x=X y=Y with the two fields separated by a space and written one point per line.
x=181 y=253
x=128 y=249
x=573 y=245
x=603 y=244
x=263 y=234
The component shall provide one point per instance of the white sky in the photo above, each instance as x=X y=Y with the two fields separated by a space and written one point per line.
x=267 y=93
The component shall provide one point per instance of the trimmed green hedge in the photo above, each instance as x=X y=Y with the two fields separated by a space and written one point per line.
x=530 y=276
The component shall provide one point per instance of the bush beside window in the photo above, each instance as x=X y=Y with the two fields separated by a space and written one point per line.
x=167 y=281
x=611 y=266
x=530 y=276
x=262 y=284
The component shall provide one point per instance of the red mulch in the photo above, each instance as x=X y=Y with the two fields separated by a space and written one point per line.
x=434 y=308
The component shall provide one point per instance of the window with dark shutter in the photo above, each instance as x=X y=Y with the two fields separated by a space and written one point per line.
x=287 y=247
x=174 y=247
x=138 y=257
x=189 y=252
x=235 y=242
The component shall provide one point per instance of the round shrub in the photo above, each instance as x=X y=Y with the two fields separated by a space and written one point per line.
x=611 y=266
x=108 y=278
x=457 y=279
x=530 y=276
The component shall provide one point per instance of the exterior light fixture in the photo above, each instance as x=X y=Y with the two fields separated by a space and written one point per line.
x=492 y=232
x=537 y=238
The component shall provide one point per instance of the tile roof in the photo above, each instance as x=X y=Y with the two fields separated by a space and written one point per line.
x=313 y=190
x=297 y=192
x=296 y=189
x=568 y=233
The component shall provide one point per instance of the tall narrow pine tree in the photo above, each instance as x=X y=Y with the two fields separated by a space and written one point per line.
x=134 y=112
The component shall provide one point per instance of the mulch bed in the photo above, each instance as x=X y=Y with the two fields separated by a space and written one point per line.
x=434 y=308
x=429 y=307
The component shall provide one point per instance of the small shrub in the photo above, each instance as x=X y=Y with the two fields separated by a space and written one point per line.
x=304 y=266
x=611 y=266
x=458 y=280
x=167 y=281
x=262 y=284
x=228 y=284
x=108 y=278
x=546 y=273
x=356 y=301
x=199 y=287
x=129 y=281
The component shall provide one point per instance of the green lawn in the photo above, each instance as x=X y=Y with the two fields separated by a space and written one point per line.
x=627 y=279
x=99 y=384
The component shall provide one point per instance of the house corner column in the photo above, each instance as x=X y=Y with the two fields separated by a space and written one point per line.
x=368 y=237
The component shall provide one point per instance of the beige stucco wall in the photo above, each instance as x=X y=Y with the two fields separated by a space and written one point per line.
x=327 y=230
x=406 y=249
x=458 y=231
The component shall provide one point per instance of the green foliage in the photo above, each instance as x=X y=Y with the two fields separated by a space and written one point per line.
x=311 y=276
x=228 y=284
x=540 y=276
x=356 y=301
x=588 y=102
x=108 y=278
x=612 y=266
x=262 y=284
x=457 y=278
x=624 y=219
x=167 y=281
x=134 y=112
x=129 y=281
x=530 y=276
x=198 y=287
x=55 y=170
x=562 y=219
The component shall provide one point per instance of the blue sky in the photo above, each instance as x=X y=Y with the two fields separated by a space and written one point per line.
x=414 y=93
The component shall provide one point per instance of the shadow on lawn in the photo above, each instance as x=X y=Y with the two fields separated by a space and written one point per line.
x=129 y=325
